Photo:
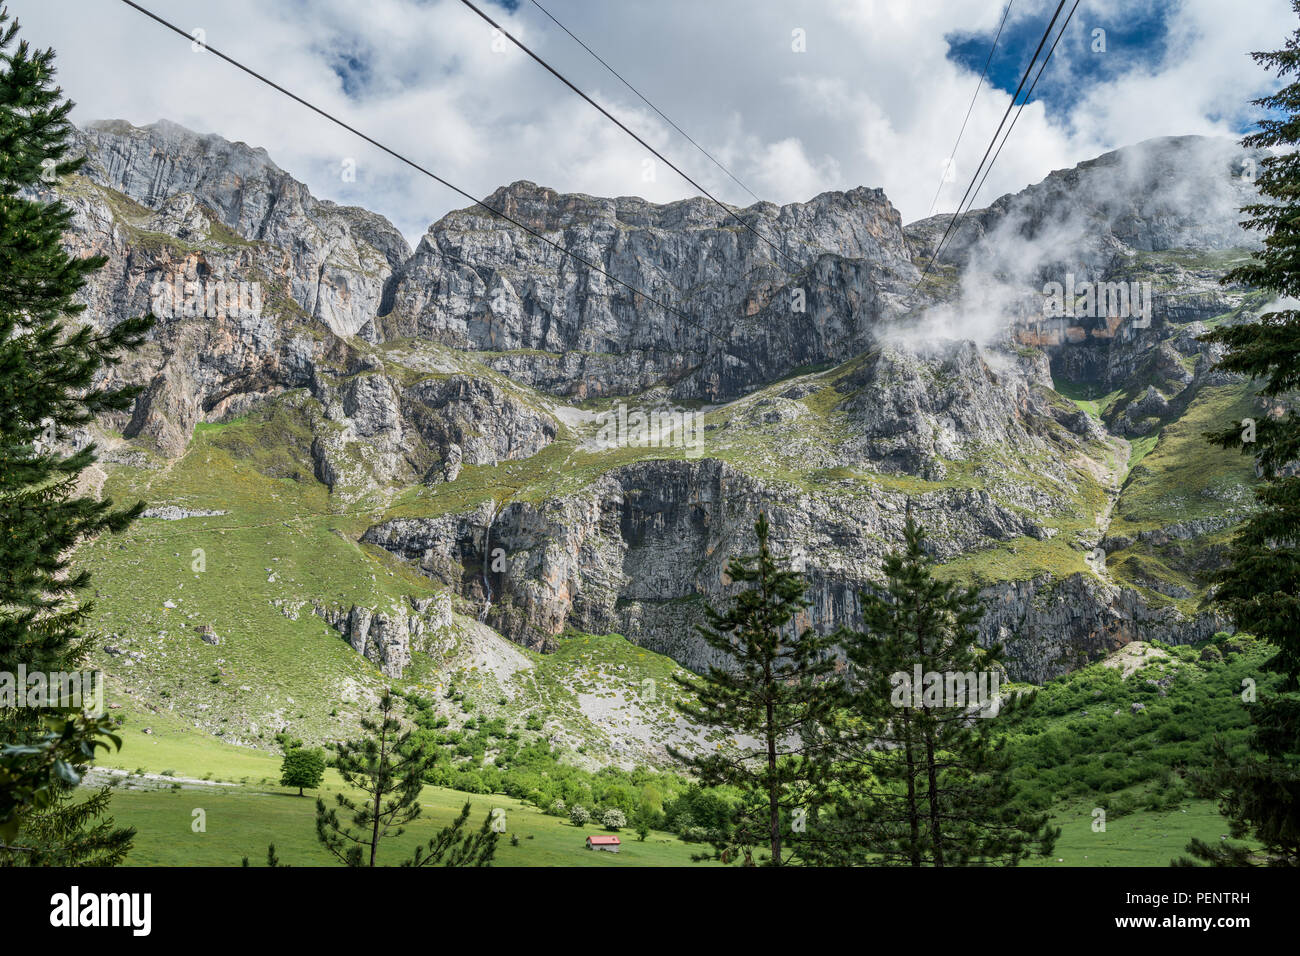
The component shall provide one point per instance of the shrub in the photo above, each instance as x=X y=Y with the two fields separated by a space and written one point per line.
x=613 y=819
x=579 y=816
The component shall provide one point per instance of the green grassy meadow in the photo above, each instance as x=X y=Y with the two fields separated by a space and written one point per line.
x=242 y=819
x=242 y=823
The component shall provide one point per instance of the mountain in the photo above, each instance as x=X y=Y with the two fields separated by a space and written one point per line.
x=362 y=431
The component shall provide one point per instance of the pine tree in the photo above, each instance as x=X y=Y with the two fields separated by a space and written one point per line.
x=80 y=834
x=921 y=778
x=51 y=370
x=775 y=686
x=388 y=767
x=37 y=777
x=1259 y=587
x=272 y=860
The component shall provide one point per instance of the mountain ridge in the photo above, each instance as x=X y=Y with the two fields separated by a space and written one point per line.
x=428 y=406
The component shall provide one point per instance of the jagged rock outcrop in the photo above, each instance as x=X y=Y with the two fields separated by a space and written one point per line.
x=173 y=513
x=186 y=220
x=475 y=282
x=386 y=637
x=340 y=256
x=482 y=422
x=374 y=429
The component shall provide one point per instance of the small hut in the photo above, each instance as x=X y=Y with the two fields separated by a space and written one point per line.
x=609 y=843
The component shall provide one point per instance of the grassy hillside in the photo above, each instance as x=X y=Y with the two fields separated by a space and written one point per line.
x=1183 y=477
x=278 y=546
x=1180 y=501
x=1124 y=736
x=242 y=819
x=1126 y=733
x=250 y=573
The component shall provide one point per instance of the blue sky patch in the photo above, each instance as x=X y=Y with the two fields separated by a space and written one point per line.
x=1136 y=41
x=353 y=67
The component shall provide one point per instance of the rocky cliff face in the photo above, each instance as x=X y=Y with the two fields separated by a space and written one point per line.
x=640 y=551
x=743 y=312
x=339 y=258
x=386 y=637
x=454 y=389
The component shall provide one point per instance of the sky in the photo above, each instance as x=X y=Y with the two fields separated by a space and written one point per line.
x=792 y=97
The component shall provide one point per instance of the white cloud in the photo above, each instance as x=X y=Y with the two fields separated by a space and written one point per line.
x=784 y=167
